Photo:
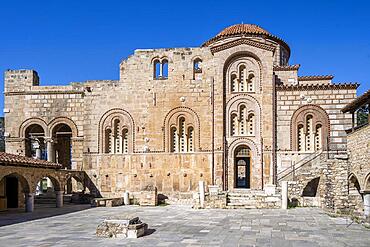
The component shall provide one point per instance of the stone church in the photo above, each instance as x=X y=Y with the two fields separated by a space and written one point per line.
x=232 y=112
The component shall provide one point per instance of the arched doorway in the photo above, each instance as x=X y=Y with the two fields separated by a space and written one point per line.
x=62 y=134
x=35 y=142
x=13 y=189
x=48 y=193
x=242 y=162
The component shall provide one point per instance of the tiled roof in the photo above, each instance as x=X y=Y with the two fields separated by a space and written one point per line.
x=18 y=160
x=244 y=29
x=363 y=99
x=315 y=77
x=287 y=67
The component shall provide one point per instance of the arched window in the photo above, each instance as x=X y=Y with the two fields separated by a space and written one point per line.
x=157 y=69
x=190 y=139
x=125 y=140
x=160 y=69
x=242 y=118
x=250 y=83
x=164 y=69
x=251 y=124
x=117 y=137
x=242 y=78
x=108 y=141
x=182 y=134
x=318 y=137
x=197 y=69
x=234 y=124
x=301 y=137
x=174 y=140
x=234 y=83
x=310 y=129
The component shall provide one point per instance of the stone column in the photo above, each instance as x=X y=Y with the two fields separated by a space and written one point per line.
x=30 y=200
x=201 y=193
x=50 y=150
x=38 y=153
x=126 y=199
x=284 y=194
x=367 y=205
x=59 y=198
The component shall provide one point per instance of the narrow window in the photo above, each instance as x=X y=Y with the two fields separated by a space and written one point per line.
x=242 y=72
x=182 y=135
x=190 y=139
x=173 y=139
x=234 y=83
x=157 y=70
x=250 y=83
x=164 y=69
x=234 y=123
x=318 y=136
x=309 y=137
x=197 y=69
x=117 y=137
x=301 y=138
x=251 y=124
x=242 y=120
x=108 y=141
x=125 y=140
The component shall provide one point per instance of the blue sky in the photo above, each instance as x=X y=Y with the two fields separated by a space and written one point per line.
x=83 y=40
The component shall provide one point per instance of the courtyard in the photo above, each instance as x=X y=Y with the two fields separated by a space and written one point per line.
x=75 y=225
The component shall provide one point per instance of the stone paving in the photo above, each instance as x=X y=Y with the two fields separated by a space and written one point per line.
x=183 y=226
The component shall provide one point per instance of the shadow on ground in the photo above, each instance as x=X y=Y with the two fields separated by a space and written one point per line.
x=15 y=216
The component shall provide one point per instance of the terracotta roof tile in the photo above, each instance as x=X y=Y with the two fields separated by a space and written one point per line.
x=18 y=160
x=315 y=77
x=363 y=99
x=287 y=67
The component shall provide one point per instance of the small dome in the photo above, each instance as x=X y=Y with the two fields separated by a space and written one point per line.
x=244 y=29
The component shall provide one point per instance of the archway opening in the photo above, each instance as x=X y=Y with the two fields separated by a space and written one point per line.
x=355 y=199
x=242 y=163
x=35 y=142
x=62 y=135
x=310 y=190
x=13 y=188
x=46 y=192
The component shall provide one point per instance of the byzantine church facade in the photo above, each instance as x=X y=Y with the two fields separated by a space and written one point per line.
x=232 y=112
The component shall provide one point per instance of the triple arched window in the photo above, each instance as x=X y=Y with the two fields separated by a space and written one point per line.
x=243 y=80
x=182 y=137
x=242 y=122
x=116 y=138
x=310 y=129
x=160 y=69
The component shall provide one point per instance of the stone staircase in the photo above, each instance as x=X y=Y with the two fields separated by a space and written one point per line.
x=47 y=199
x=251 y=199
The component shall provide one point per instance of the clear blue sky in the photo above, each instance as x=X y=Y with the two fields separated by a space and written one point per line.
x=70 y=40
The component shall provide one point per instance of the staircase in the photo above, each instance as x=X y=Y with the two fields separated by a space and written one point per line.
x=310 y=160
x=251 y=199
x=48 y=200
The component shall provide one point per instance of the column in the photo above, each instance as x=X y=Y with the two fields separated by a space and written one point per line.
x=29 y=201
x=367 y=205
x=38 y=153
x=59 y=198
x=126 y=199
x=201 y=193
x=284 y=194
x=50 y=150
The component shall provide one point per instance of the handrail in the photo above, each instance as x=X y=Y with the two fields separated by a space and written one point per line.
x=298 y=165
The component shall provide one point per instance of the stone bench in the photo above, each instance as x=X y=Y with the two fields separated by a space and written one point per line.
x=107 y=202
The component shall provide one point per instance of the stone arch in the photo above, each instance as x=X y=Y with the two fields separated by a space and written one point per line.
x=30 y=121
x=320 y=117
x=24 y=180
x=235 y=59
x=56 y=181
x=171 y=119
x=255 y=161
x=106 y=121
x=355 y=197
x=311 y=188
x=366 y=184
x=63 y=120
x=253 y=106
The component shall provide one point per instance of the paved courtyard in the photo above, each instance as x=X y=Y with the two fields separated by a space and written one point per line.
x=183 y=226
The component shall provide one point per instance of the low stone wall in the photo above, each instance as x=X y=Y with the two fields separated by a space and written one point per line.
x=107 y=202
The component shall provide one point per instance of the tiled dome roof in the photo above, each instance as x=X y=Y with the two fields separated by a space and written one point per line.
x=244 y=29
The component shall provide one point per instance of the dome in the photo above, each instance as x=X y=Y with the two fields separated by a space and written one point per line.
x=244 y=29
